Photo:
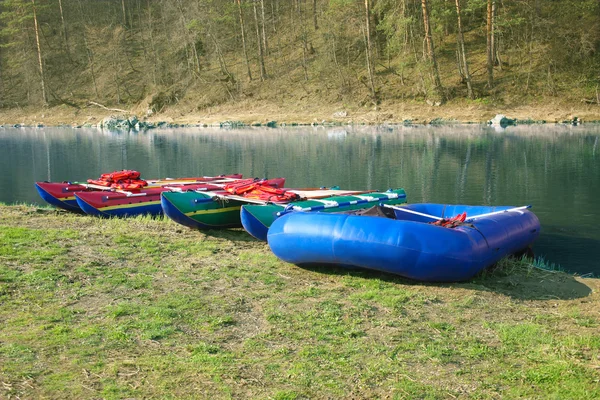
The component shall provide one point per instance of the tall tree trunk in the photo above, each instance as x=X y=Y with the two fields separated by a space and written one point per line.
x=90 y=55
x=190 y=44
x=222 y=64
x=431 y=49
x=304 y=38
x=263 y=23
x=88 y=50
x=116 y=70
x=274 y=15
x=124 y=13
x=64 y=26
x=459 y=64
x=337 y=64
x=315 y=15
x=39 y=53
x=244 y=40
x=152 y=44
x=261 y=59
x=494 y=44
x=461 y=41
x=1 y=82
x=490 y=51
x=369 y=51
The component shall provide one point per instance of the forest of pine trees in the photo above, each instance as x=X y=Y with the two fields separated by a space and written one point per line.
x=363 y=51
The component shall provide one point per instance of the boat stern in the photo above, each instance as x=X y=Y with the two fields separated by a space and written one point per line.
x=253 y=224
x=171 y=210
x=64 y=200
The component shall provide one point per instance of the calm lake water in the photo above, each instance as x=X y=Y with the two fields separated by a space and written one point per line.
x=555 y=168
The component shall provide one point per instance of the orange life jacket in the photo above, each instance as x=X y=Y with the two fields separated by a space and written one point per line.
x=120 y=175
x=129 y=184
x=268 y=193
x=99 y=182
x=453 y=222
x=240 y=187
x=126 y=179
x=257 y=189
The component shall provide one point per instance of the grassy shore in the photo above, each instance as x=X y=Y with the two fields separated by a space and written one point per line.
x=145 y=308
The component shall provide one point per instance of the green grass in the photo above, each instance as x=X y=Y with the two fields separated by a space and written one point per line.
x=144 y=308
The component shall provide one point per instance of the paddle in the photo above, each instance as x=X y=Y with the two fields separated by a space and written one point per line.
x=334 y=204
x=498 y=212
x=306 y=193
x=467 y=220
x=328 y=204
x=154 y=183
x=240 y=198
x=324 y=193
x=190 y=181
x=217 y=196
x=411 y=211
x=163 y=185
x=166 y=186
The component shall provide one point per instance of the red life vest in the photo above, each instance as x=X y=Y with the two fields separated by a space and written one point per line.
x=129 y=184
x=120 y=175
x=124 y=180
x=240 y=187
x=99 y=182
x=255 y=189
x=453 y=222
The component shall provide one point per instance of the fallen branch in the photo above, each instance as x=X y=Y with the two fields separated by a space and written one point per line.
x=106 y=108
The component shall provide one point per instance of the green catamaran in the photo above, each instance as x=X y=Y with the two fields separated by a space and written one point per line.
x=257 y=219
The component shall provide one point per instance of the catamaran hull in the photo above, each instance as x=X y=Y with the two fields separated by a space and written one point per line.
x=60 y=195
x=147 y=207
x=199 y=210
x=146 y=201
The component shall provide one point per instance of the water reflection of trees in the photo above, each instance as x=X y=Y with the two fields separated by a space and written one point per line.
x=464 y=163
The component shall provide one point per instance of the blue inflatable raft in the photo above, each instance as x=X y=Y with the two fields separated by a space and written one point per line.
x=407 y=244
